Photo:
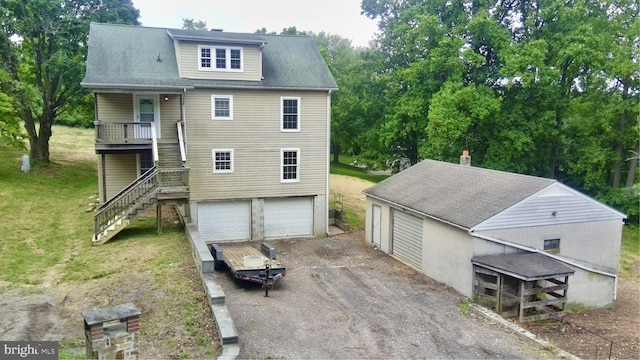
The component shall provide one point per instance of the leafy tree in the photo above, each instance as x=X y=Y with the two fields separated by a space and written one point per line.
x=10 y=127
x=47 y=57
x=460 y=113
x=190 y=24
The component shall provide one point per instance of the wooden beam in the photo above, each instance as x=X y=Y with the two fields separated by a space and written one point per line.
x=550 y=289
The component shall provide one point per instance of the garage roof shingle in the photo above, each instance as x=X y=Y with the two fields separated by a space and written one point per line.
x=461 y=195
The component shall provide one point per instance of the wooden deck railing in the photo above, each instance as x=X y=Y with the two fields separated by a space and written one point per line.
x=141 y=189
x=124 y=132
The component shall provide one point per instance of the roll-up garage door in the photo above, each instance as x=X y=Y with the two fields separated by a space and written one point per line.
x=224 y=220
x=407 y=238
x=288 y=217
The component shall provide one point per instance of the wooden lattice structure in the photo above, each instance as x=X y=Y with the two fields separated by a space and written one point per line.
x=528 y=286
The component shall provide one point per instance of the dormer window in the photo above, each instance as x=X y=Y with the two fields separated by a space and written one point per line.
x=216 y=58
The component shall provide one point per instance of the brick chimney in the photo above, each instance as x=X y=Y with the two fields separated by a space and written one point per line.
x=465 y=159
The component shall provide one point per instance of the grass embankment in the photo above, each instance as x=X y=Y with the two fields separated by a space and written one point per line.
x=346 y=196
x=630 y=255
x=45 y=245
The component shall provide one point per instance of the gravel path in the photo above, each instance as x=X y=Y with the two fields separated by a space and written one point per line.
x=342 y=299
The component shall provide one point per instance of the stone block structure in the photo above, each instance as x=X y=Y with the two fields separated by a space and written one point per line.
x=112 y=333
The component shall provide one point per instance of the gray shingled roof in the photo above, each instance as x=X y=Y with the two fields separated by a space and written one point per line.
x=528 y=267
x=126 y=57
x=461 y=195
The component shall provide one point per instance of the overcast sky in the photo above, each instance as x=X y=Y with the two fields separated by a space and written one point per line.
x=337 y=17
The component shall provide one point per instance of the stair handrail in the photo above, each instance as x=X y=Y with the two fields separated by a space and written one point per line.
x=183 y=155
x=148 y=182
x=154 y=144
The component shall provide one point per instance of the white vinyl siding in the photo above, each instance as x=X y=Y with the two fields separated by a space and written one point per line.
x=407 y=238
x=222 y=161
x=255 y=136
x=115 y=107
x=121 y=170
x=224 y=220
x=222 y=107
x=190 y=67
x=288 y=217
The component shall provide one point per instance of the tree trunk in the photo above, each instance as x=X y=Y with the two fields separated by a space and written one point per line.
x=631 y=176
x=335 y=150
x=39 y=141
x=617 y=171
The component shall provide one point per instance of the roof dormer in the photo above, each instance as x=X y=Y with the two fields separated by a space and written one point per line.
x=216 y=55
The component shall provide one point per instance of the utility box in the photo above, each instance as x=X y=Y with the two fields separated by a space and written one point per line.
x=25 y=163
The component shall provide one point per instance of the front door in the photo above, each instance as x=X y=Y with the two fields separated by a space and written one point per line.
x=376 y=232
x=146 y=108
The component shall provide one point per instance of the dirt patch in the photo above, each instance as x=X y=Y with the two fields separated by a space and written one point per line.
x=600 y=333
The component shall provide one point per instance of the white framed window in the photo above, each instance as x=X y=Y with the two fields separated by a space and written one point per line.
x=204 y=58
x=290 y=114
x=289 y=165
x=221 y=107
x=217 y=58
x=222 y=161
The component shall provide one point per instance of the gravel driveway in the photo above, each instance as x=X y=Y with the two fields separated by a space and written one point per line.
x=342 y=299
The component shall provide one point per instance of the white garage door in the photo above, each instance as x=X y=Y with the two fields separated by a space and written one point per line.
x=225 y=220
x=407 y=238
x=288 y=217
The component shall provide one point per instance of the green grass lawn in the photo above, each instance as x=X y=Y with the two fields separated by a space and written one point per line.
x=343 y=168
x=630 y=255
x=45 y=243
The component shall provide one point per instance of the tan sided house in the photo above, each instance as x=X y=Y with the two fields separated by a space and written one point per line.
x=522 y=245
x=233 y=128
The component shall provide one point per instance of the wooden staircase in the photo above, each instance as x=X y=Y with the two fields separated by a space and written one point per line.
x=168 y=180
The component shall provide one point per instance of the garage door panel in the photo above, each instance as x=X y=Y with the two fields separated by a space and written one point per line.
x=288 y=217
x=407 y=238
x=225 y=220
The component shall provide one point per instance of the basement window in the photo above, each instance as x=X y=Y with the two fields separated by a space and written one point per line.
x=552 y=246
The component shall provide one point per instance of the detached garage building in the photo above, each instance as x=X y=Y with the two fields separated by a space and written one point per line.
x=523 y=245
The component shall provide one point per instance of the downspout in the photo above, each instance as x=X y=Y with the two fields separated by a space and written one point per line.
x=103 y=161
x=328 y=162
x=569 y=262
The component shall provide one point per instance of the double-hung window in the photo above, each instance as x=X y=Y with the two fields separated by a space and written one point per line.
x=290 y=114
x=290 y=165
x=222 y=161
x=216 y=58
x=221 y=107
x=204 y=55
